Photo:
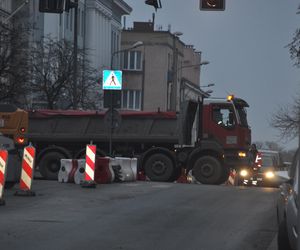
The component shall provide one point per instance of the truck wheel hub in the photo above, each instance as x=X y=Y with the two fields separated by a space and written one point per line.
x=158 y=167
x=53 y=166
x=206 y=170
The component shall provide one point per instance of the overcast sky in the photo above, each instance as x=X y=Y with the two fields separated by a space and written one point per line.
x=245 y=45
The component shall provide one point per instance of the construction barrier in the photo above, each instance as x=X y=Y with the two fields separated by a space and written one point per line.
x=127 y=169
x=3 y=163
x=80 y=172
x=232 y=179
x=27 y=172
x=89 y=179
x=67 y=170
x=104 y=173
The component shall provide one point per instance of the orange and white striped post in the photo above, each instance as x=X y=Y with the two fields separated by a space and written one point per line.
x=3 y=163
x=89 y=179
x=27 y=172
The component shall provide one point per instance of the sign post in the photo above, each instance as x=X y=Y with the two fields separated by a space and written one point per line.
x=112 y=81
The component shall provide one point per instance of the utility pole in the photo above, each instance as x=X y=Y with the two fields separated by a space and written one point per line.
x=75 y=52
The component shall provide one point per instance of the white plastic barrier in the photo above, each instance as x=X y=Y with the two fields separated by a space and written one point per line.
x=80 y=172
x=128 y=171
x=66 y=167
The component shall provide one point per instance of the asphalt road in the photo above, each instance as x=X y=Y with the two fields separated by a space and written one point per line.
x=139 y=216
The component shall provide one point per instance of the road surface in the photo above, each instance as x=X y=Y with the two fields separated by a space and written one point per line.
x=139 y=216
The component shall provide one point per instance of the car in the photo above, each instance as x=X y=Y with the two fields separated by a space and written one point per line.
x=264 y=173
x=287 y=208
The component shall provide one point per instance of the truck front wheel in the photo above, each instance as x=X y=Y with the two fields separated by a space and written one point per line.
x=208 y=170
x=159 y=167
x=49 y=165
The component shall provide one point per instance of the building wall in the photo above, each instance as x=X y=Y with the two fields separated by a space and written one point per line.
x=161 y=78
x=190 y=67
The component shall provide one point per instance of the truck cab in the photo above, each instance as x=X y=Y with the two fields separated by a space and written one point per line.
x=225 y=121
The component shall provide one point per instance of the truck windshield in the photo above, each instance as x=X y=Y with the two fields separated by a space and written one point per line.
x=243 y=116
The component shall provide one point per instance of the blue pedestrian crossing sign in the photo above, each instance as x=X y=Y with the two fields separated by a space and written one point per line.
x=112 y=80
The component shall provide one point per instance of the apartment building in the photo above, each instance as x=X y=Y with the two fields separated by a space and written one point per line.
x=161 y=74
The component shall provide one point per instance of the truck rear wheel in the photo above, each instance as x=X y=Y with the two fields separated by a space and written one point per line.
x=49 y=165
x=208 y=170
x=159 y=167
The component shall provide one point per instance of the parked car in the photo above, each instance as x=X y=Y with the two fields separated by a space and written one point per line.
x=287 y=208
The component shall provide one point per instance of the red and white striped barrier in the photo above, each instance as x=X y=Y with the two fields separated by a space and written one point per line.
x=232 y=178
x=27 y=172
x=3 y=163
x=89 y=179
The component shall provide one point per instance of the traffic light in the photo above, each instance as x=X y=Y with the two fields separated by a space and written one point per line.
x=212 y=4
x=155 y=3
x=52 y=6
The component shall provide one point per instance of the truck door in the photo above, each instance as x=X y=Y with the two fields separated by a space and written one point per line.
x=222 y=125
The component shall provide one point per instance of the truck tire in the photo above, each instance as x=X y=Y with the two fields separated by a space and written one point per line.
x=282 y=237
x=159 y=167
x=49 y=165
x=208 y=170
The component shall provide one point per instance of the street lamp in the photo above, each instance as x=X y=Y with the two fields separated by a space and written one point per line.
x=135 y=45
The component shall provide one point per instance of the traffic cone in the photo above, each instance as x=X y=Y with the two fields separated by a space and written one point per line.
x=3 y=163
x=89 y=179
x=27 y=172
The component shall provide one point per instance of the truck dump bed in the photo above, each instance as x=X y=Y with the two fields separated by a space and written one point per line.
x=68 y=126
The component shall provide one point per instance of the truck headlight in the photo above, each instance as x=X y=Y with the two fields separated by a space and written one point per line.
x=242 y=154
x=244 y=173
x=270 y=174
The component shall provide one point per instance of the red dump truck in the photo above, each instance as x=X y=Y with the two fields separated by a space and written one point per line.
x=208 y=138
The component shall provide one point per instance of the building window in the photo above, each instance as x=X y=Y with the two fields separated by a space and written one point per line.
x=132 y=60
x=131 y=99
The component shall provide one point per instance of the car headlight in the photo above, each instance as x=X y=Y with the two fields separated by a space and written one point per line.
x=270 y=174
x=244 y=173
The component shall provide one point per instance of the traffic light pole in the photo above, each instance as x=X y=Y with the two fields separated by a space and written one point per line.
x=75 y=52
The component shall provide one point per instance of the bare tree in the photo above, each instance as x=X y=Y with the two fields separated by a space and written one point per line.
x=287 y=120
x=13 y=62
x=52 y=75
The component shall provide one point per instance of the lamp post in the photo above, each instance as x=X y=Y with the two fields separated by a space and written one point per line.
x=111 y=92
